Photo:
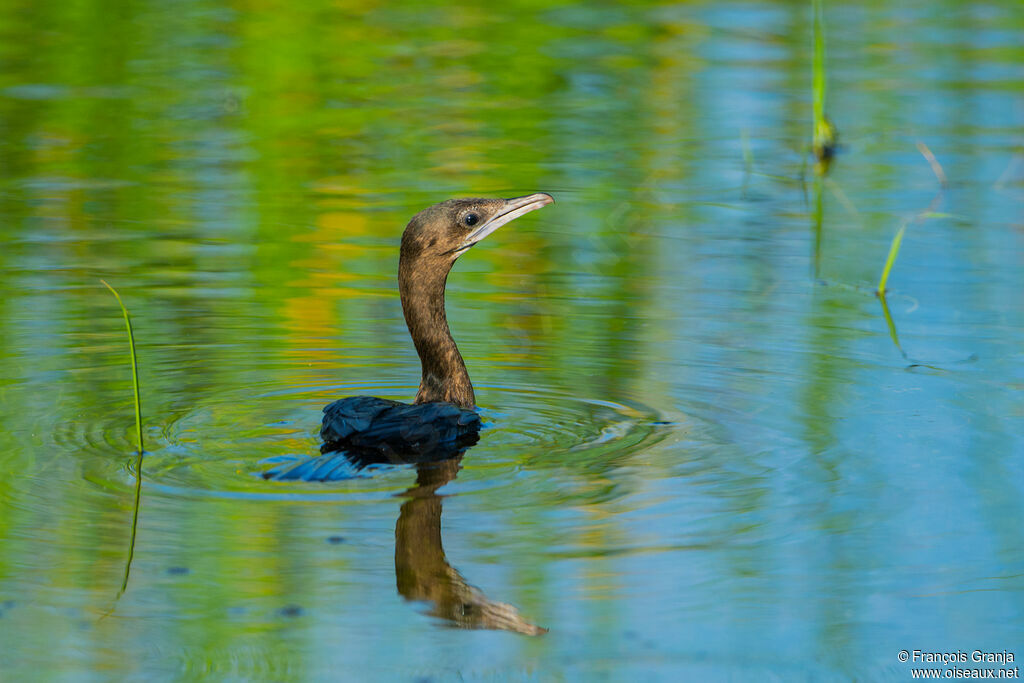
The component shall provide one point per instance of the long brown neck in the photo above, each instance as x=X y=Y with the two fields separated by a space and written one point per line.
x=444 y=373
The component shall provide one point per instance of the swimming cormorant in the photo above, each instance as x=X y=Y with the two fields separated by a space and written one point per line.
x=443 y=414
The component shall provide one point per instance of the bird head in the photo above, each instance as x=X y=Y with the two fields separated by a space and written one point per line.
x=441 y=233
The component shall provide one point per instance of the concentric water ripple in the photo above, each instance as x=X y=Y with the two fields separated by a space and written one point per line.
x=217 y=448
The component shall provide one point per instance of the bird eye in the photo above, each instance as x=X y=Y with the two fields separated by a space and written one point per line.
x=471 y=219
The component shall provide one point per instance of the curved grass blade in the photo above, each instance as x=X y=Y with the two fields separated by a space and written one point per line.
x=894 y=250
x=138 y=432
x=893 y=334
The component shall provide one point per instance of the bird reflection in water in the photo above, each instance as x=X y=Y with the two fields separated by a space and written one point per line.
x=422 y=571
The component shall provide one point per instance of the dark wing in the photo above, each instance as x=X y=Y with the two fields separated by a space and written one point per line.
x=328 y=467
x=367 y=422
x=362 y=431
x=350 y=463
x=352 y=415
x=417 y=427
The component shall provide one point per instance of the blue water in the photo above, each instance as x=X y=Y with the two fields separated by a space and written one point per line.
x=709 y=455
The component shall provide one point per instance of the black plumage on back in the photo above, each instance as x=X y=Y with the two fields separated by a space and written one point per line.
x=361 y=431
x=368 y=422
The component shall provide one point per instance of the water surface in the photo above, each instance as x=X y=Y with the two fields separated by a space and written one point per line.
x=708 y=455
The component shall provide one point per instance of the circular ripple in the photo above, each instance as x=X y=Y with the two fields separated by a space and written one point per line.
x=220 y=447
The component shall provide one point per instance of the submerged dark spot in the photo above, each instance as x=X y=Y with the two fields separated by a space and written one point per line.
x=335 y=540
x=178 y=571
x=290 y=611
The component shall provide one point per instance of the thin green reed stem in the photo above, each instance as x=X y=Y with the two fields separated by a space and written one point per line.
x=135 y=367
x=138 y=433
x=894 y=250
x=818 y=66
x=818 y=216
x=893 y=334
x=823 y=140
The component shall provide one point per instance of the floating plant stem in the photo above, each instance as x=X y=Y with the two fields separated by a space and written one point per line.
x=824 y=135
x=933 y=162
x=892 y=326
x=135 y=366
x=138 y=432
x=897 y=240
x=818 y=83
x=927 y=213
x=894 y=250
x=817 y=217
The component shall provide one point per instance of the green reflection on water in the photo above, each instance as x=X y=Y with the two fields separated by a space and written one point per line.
x=243 y=174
